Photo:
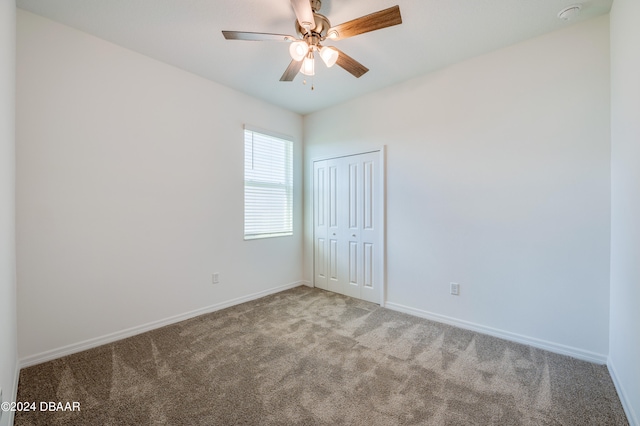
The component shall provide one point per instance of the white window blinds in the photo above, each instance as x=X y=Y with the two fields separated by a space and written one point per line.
x=268 y=185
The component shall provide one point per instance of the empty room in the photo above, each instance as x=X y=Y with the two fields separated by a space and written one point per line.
x=319 y=212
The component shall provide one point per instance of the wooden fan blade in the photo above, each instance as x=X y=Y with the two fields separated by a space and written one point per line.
x=375 y=21
x=304 y=14
x=244 y=35
x=291 y=71
x=350 y=64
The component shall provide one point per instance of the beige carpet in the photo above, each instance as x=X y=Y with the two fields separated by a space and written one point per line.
x=309 y=357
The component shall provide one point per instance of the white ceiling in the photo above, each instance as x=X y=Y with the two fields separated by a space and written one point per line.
x=187 y=34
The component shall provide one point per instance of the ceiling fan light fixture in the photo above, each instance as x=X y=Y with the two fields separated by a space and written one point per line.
x=313 y=29
x=298 y=50
x=308 y=65
x=329 y=56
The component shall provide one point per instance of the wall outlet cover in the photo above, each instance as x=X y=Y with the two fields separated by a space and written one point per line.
x=455 y=289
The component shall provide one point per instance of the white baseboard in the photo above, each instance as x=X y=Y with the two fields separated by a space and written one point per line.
x=626 y=404
x=119 y=335
x=514 y=337
x=306 y=283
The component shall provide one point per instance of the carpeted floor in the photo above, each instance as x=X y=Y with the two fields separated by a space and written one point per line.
x=310 y=357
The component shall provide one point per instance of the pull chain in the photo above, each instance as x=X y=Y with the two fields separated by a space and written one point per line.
x=312 y=83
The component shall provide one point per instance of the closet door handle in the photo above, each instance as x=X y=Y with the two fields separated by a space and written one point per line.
x=353 y=235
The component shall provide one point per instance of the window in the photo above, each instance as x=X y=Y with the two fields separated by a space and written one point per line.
x=268 y=185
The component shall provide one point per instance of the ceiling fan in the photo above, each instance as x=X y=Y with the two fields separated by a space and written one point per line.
x=313 y=29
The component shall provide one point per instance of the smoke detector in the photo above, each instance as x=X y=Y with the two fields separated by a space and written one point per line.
x=569 y=12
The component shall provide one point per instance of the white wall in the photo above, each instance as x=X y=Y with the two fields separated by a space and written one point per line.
x=8 y=340
x=624 y=348
x=130 y=191
x=498 y=179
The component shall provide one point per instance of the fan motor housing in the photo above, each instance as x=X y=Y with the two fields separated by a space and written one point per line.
x=321 y=28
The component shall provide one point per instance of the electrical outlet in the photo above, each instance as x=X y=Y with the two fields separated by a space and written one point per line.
x=455 y=288
x=215 y=278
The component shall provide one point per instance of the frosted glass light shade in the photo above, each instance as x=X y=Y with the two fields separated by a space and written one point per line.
x=329 y=56
x=298 y=50
x=308 y=65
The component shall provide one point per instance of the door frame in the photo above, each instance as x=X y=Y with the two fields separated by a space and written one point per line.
x=382 y=175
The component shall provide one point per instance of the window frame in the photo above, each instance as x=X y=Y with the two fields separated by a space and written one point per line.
x=284 y=223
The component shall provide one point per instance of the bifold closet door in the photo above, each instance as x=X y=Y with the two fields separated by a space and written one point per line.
x=348 y=226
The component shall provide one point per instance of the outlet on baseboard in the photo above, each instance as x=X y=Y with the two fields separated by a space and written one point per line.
x=455 y=289
x=215 y=278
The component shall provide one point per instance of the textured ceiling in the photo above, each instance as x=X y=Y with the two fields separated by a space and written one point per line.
x=187 y=34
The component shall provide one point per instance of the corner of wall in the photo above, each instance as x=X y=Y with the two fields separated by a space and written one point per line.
x=9 y=368
x=624 y=317
x=632 y=417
